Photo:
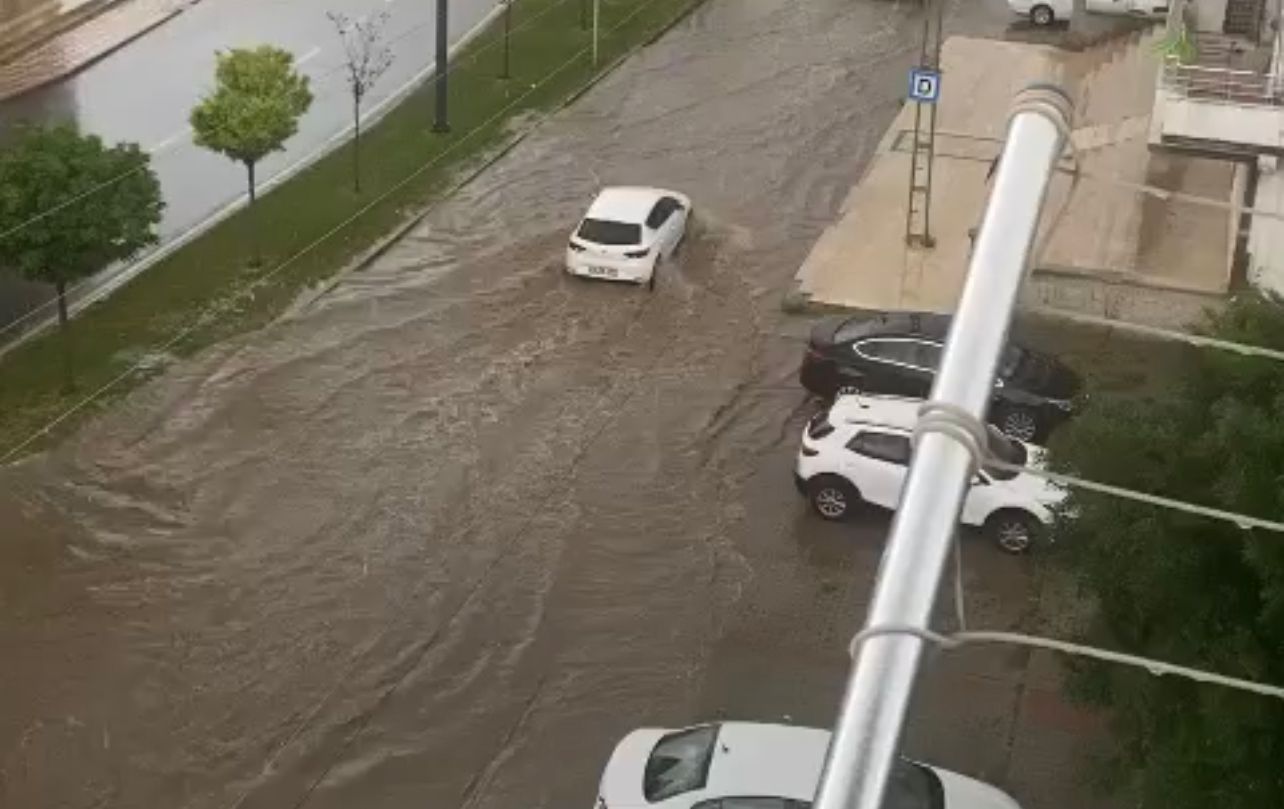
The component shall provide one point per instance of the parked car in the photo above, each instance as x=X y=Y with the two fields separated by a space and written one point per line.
x=748 y=765
x=898 y=354
x=626 y=233
x=859 y=451
x=1046 y=12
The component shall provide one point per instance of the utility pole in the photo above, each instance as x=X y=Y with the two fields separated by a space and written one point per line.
x=918 y=211
x=868 y=731
x=508 y=29
x=440 y=121
x=597 y=8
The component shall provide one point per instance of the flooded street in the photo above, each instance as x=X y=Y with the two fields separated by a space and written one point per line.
x=442 y=536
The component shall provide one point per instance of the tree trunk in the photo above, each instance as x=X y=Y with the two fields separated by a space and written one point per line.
x=356 y=142
x=253 y=216
x=64 y=334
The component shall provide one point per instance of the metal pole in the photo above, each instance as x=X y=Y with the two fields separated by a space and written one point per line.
x=868 y=731
x=596 y=13
x=440 y=122
x=508 y=28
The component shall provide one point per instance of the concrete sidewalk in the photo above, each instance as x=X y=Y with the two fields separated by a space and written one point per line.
x=83 y=44
x=1114 y=250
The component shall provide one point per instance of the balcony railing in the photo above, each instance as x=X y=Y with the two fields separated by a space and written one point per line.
x=1221 y=85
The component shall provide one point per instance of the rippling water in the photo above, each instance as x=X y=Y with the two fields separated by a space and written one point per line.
x=438 y=539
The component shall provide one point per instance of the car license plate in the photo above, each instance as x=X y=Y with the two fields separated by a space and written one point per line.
x=604 y=272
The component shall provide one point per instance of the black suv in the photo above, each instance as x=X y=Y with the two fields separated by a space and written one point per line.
x=898 y=353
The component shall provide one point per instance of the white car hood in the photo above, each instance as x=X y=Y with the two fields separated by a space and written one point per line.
x=621 y=785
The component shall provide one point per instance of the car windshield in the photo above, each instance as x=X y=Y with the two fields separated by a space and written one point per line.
x=913 y=786
x=679 y=763
x=608 y=231
x=1007 y=450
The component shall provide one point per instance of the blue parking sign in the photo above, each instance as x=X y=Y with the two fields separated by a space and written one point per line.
x=925 y=85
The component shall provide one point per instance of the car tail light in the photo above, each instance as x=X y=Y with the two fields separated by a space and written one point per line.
x=579 y=248
x=809 y=452
x=637 y=253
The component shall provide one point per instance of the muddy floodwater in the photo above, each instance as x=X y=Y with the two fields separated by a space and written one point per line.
x=443 y=535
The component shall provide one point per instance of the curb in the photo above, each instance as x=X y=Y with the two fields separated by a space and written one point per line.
x=386 y=243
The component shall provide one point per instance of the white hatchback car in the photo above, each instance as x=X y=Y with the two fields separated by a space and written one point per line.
x=859 y=450
x=747 y=765
x=626 y=233
x=1046 y=12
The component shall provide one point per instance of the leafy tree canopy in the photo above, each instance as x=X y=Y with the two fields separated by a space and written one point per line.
x=69 y=205
x=255 y=106
x=1187 y=589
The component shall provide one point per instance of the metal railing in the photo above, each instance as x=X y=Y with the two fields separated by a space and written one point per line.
x=1223 y=85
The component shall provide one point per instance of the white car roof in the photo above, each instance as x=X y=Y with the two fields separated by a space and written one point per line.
x=626 y=203
x=761 y=759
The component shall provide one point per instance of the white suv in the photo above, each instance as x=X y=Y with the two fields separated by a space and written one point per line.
x=860 y=450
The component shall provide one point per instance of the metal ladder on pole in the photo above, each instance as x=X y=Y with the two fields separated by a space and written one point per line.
x=918 y=212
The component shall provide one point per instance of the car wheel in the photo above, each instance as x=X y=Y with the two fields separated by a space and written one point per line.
x=832 y=497
x=1042 y=15
x=1019 y=422
x=1013 y=531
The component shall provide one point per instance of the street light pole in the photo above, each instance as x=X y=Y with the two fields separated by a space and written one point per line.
x=508 y=28
x=440 y=122
x=596 y=13
x=868 y=731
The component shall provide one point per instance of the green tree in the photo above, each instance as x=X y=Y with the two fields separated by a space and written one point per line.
x=69 y=206
x=1182 y=588
x=255 y=106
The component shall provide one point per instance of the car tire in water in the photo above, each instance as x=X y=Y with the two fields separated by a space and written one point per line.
x=1041 y=15
x=1019 y=422
x=832 y=497
x=1012 y=530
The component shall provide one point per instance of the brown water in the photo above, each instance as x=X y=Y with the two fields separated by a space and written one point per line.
x=444 y=535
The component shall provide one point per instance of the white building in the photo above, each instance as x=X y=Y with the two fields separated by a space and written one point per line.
x=1220 y=94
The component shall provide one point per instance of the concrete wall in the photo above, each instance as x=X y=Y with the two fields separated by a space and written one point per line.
x=1211 y=121
x=1266 y=236
x=1209 y=15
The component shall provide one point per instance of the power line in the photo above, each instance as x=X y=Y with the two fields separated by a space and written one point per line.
x=78 y=286
x=1199 y=340
x=1156 y=667
x=1244 y=521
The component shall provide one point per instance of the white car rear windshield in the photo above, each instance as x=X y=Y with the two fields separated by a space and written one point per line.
x=679 y=763
x=606 y=231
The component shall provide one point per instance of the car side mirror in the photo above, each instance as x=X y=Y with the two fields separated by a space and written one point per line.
x=977 y=480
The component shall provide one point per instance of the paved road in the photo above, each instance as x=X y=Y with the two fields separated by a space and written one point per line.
x=440 y=539
x=144 y=92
